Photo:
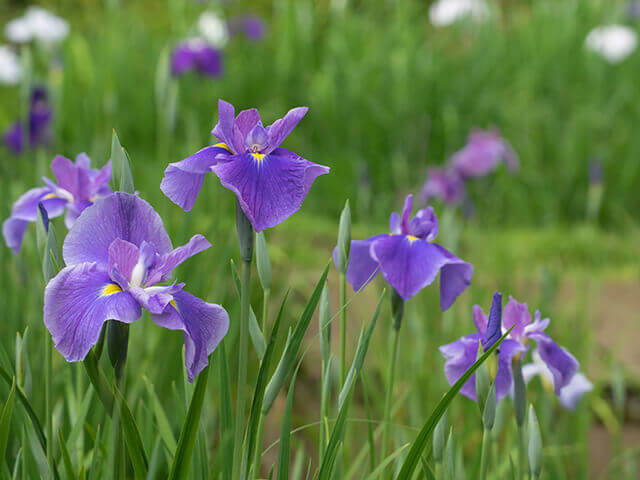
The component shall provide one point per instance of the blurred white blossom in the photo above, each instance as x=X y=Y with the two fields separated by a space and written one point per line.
x=446 y=12
x=213 y=29
x=37 y=24
x=10 y=67
x=613 y=42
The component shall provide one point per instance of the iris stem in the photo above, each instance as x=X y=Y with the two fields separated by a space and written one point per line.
x=48 y=403
x=343 y=328
x=257 y=458
x=118 y=346
x=243 y=347
x=266 y=294
x=389 y=396
x=484 y=454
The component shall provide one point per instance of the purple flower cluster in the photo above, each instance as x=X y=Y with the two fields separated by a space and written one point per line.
x=269 y=181
x=461 y=354
x=482 y=154
x=196 y=55
x=408 y=259
x=77 y=187
x=37 y=131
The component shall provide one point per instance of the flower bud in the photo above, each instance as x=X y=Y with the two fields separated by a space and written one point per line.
x=535 y=445
x=344 y=239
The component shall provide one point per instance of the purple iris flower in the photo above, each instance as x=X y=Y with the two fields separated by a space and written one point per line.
x=77 y=187
x=483 y=153
x=253 y=27
x=570 y=394
x=196 y=55
x=39 y=132
x=461 y=354
x=117 y=254
x=445 y=184
x=408 y=259
x=270 y=182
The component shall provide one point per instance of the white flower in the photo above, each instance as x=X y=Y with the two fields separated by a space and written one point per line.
x=37 y=24
x=613 y=42
x=213 y=29
x=10 y=67
x=446 y=12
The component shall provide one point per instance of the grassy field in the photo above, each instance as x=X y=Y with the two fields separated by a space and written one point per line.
x=389 y=95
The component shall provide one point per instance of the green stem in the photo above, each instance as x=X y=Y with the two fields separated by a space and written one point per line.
x=437 y=466
x=484 y=455
x=243 y=347
x=48 y=403
x=523 y=461
x=257 y=458
x=389 y=397
x=266 y=293
x=118 y=346
x=343 y=328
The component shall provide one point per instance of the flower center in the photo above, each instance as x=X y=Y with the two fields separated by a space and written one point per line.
x=137 y=274
x=258 y=156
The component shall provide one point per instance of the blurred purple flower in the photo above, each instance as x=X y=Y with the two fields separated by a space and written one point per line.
x=445 y=184
x=116 y=255
x=633 y=10
x=483 y=153
x=253 y=27
x=461 y=354
x=570 y=394
x=196 y=55
x=39 y=129
x=77 y=187
x=595 y=171
x=270 y=182
x=408 y=259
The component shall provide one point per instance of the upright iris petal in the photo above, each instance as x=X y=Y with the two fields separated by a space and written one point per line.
x=270 y=182
x=77 y=186
x=116 y=254
x=408 y=259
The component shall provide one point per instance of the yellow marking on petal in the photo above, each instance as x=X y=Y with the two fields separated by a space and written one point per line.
x=412 y=238
x=223 y=145
x=110 y=289
x=50 y=195
x=258 y=156
x=173 y=304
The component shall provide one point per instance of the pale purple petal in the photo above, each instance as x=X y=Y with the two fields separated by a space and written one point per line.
x=480 y=320
x=167 y=263
x=395 y=226
x=424 y=224
x=516 y=313
x=282 y=127
x=242 y=127
x=77 y=302
x=223 y=130
x=204 y=326
x=406 y=214
x=65 y=172
x=362 y=268
x=504 y=377
x=560 y=362
x=123 y=257
x=155 y=299
x=459 y=356
x=270 y=188
x=119 y=216
x=573 y=391
x=183 y=180
x=455 y=277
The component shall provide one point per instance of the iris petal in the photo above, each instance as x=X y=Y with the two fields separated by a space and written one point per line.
x=560 y=362
x=362 y=268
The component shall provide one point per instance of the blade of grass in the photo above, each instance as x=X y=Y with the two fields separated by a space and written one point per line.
x=132 y=438
x=66 y=458
x=226 y=415
x=5 y=420
x=164 y=427
x=257 y=337
x=285 y=434
x=424 y=437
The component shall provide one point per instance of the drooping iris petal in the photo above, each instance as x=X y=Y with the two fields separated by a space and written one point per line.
x=183 y=180
x=459 y=356
x=455 y=277
x=118 y=216
x=504 y=377
x=270 y=188
x=362 y=268
x=559 y=361
x=573 y=391
x=77 y=302
x=281 y=128
x=155 y=299
x=408 y=264
x=204 y=325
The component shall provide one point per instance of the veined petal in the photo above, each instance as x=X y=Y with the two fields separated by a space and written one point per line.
x=281 y=128
x=204 y=326
x=119 y=216
x=459 y=356
x=405 y=218
x=504 y=377
x=242 y=126
x=516 y=313
x=65 y=172
x=77 y=302
x=560 y=362
x=223 y=130
x=155 y=299
x=455 y=277
x=162 y=271
x=362 y=268
x=480 y=320
x=270 y=188
x=123 y=257
x=182 y=180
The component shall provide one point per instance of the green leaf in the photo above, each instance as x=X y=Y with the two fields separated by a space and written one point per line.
x=288 y=359
x=80 y=416
x=99 y=381
x=5 y=420
x=257 y=337
x=382 y=465
x=121 y=164
x=344 y=239
x=258 y=396
x=132 y=438
x=184 y=451
x=93 y=469
x=535 y=445
x=164 y=427
x=424 y=437
x=263 y=264
x=285 y=434
x=66 y=459
x=426 y=469
x=226 y=415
